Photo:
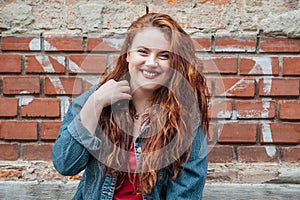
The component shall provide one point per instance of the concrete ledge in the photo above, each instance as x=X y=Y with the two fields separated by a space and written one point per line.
x=58 y=190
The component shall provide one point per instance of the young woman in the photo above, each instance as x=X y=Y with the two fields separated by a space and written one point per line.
x=140 y=134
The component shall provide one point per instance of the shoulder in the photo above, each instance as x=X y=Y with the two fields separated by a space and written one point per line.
x=81 y=99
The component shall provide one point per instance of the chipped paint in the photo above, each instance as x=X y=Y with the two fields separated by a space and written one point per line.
x=59 y=88
x=24 y=92
x=239 y=85
x=266 y=107
x=25 y=100
x=48 y=46
x=47 y=66
x=64 y=105
x=114 y=42
x=267 y=137
x=224 y=114
x=74 y=67
x=247 y=114
x=262 y=65
x=267 y=85
x=35 y=44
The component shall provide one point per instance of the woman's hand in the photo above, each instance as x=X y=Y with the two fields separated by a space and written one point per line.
x=111 y=92
x=107 y=94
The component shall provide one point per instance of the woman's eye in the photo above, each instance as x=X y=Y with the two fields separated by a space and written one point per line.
x=165 y=56
x=142 y=51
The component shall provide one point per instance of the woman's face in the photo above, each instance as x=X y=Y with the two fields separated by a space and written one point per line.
x=149 y=59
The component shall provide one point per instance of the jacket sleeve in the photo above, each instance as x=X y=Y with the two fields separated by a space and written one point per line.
x=74 y=144
x=190 y=182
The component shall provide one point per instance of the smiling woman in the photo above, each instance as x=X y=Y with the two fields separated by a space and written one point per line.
x=141 y=133
x=148 y=60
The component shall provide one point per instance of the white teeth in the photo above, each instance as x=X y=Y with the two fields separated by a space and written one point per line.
x=149 y=73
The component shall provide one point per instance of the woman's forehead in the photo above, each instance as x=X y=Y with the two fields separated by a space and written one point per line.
x=152 y=38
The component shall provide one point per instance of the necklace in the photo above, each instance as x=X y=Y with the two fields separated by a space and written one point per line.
x=137 y=115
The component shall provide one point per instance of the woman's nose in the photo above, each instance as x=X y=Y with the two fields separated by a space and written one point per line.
x=151 y=60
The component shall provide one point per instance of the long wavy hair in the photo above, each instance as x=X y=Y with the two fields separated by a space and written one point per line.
x=181 y=98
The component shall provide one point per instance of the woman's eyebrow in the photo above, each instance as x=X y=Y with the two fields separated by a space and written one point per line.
x=149 y=48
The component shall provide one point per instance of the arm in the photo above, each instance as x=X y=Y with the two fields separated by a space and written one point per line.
x=190 y=182
x=69 y=153
x=76 y=140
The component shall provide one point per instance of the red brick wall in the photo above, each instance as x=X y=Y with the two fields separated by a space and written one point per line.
x=254 y=83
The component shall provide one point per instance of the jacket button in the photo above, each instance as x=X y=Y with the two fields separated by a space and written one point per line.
x=139 y=150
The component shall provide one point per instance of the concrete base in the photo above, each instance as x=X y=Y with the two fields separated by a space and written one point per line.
x=58 y=190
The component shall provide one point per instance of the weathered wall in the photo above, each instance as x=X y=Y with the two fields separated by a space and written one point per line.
x=52 y=51
x=107 y=17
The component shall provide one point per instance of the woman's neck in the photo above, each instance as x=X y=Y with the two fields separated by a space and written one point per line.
x=142 y=100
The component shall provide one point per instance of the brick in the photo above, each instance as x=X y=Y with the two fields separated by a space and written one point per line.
x=242 y=44
x=38 y=151
x=289 y=109
x=237 y=133
x=236 y=87
x=18 y=130
x=8 y=107
x=290 y=154
x=21 y=85
x=259 y=66
x=63 y=85
x=209 y=84
x=90 y=63
x=279 y=45
x=220 y=109
x=11 y=174
x=250 y=154
x=255 y=109
x=41 y=107
x=211 y=133
x=9 y=151
x=21 y=43
x=63 y=44
x=45 y=64
x=278 y=87
x=284 y=133
x=224 y=65
x=10 y=63
x=50 y=130
x=97 y=44
x=220 y=154
x=202 y=44
x=291 y=66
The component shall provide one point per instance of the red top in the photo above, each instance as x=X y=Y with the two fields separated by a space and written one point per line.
x=126 y=191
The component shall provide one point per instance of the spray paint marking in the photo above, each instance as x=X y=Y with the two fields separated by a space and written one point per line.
x=262 y=65
x=267 y=137
x=25 y=100
x=47 y=66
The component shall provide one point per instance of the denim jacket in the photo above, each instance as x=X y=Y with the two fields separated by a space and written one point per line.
x=71 y=154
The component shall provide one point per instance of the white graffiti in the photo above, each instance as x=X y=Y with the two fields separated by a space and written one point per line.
x=262 y=65
x=267 y=137
x=25 y=100
x=44 y=61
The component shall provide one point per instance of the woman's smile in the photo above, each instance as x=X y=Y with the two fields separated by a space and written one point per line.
x=150 y=74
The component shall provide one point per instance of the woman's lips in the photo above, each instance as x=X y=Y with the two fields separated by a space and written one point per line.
x=150 y=74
